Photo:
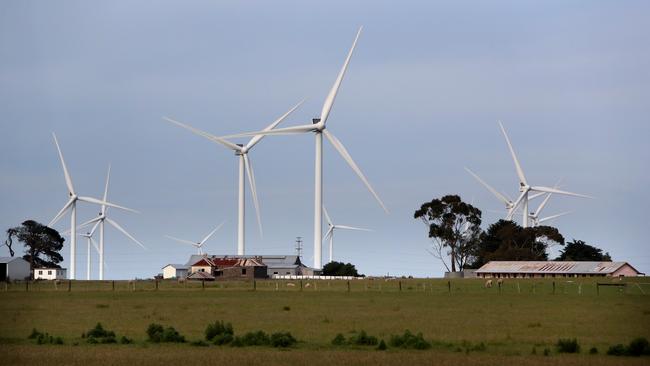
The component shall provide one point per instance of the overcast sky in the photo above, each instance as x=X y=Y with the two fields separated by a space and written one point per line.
x=420 y=101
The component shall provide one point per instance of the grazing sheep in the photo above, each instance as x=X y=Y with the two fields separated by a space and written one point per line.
x=307 y=285
x=488 y=284
x=181 y=280
x=290 y=284
x=500 y=281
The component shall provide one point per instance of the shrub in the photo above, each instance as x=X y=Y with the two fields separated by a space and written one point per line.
x=259 y=338
x=218 y=329
x=286 y=308
x=382 y=346
x=45 y=338
x=593 y=351
x=222 y=339
x=617 y=350
x=409 y=340
x=339 y=340
x=99 y=332
x=125 y=340
x=199 y=343
x=282 y=340
x=547 y=352
x=568 y=346
x=638 y=347
x=35 y=333
x=363 y=339
x=157 y=334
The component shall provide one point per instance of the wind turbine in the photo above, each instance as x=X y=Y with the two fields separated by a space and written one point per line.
x=536 y=221
x=318 y=128
x=100 y=221
x=241 y=152
x=89 y=239
x=330 y=232
x=72 y=206
x=197 y=245
x=525 y=188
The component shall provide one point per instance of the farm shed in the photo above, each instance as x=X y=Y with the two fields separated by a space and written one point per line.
x=275 y=264
x=245 y=268
x=531 y=269
x=175 y=271
x=49 y=273
x=14 y=268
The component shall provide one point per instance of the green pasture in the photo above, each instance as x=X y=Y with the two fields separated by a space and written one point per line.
x=515 y=322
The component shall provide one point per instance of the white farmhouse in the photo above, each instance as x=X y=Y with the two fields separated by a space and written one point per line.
x=13 y=268
x=175 y=271
x=49 y=273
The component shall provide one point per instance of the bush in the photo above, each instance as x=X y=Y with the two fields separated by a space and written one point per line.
x=339 y=340
x=568 y=346
x=45 y=338
x=409 y=340
x=125 y=340
x=99 y=332
x=222 y=339
x=617 y=350
x=382 y=346
x=363 y=339
x=259 y=338
x=282 y=340
x=593 y=351
x=199 y=343
x=219 y=329
x=638 y=347
x=286 y=308
x=35 y=334
x=547 y=352
x=158 y=334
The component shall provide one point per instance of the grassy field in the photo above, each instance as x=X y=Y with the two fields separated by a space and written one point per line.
x=456 y=317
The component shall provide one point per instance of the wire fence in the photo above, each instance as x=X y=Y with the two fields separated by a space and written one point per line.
x=578 y=287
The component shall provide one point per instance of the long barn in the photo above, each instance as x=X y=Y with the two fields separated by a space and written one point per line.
x=530 y=269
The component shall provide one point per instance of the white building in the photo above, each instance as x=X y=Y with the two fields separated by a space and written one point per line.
x=14 y=268
x=50 y=273
x=175 y=271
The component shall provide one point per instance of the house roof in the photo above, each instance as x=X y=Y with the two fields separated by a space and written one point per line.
x=10 y=259
x=49 y=268
x=177 y=266
x=562 y=267
x=200 y=276
x=271 y=261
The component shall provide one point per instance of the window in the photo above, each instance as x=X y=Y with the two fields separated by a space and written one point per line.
x=275 y=272
x=288 y=273
x=49 y=272
x=243 y=271
x=40 y=272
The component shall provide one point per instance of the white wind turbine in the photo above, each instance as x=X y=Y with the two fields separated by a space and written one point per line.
x=534 y=216
x=197 y=245
x=330 y=232
x=72 y=206
x=500 y=196
x=244 y=164
x=90 y=241
x=525 y=188
x=100 y=220
x=318 y=128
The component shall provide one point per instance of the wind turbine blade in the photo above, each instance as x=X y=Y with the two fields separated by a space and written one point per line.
x=520 y=172
x=533 y=196
x=515 y=205
x=92 y=231
x=541 y=205
x=211 y=233
x=104 y=203
x=554 y=216
x=208 y=136
x=346 y=156
x=108 y=177
x=329 y=232
x=118 y=227
x=251 y=182
x=257 y=138
x=62 y=212
x=329 y=101
x=94 y=243
x=555 y=190
x=496 y=193
x=277 y=131
x=327 y=216
x=351 y=228
x=181 y=240
x=68 y=179
x=89 y=222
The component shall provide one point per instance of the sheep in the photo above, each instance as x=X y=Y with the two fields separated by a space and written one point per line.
x=290 y=284
x=488 y=284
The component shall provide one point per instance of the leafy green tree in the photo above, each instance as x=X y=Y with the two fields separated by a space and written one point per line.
x=42 y=243
x=578 y=250
x=340 y=269
x=454 y=228
x=507 y=241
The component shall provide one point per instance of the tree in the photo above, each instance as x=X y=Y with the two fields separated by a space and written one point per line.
x=454 y=226
x=340 y=269
x=42 y=243
x=578 y=250
x=507 y=241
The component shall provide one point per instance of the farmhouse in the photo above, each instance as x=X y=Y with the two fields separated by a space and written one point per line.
x=530 y=269
x=175 y=271
x=14 y=268
x=275 y=264
x=49 y=273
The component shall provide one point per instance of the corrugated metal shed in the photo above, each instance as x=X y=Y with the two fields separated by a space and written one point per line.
x=550 y=267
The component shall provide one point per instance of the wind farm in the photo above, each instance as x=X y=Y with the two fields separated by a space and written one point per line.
x=420 y=183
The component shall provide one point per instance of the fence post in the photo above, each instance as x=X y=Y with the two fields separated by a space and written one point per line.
x=518 y=288
x=69 y=285
x=26 y=286
x=6 y=287
x=553 y=287
x=597 y=289
x=499 y=285
x=300 y=285
x=348 y=286
x=400 y=286
x=276 y=286
x=202 y=284
x=113 y=285
x=254 y=285
x=156 y=285
x=449 y=286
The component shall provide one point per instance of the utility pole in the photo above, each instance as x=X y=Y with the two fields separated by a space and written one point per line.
x=299 y=246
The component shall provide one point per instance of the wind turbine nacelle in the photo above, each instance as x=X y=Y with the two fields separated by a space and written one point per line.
x=315 y=121
x=238 y=152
